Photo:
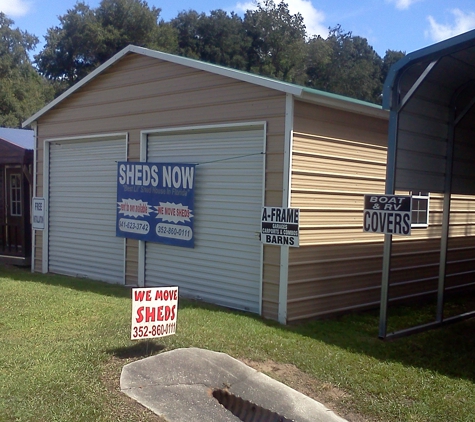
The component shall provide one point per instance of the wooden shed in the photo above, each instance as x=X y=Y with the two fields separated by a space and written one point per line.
x=255 y=142
x=16 y=166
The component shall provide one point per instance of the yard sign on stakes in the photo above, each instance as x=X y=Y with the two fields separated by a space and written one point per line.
x=154 y=312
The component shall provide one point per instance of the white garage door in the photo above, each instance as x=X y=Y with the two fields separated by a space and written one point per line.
x=82 y=209
x=225 y=265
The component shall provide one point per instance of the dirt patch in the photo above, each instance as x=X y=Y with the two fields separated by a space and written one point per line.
x=329 y=395
x=127 y=409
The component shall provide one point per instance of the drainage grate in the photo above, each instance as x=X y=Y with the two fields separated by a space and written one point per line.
x=245 y=410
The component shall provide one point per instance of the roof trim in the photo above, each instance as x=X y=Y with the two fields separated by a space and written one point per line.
x=311 y=95
x=431 y=52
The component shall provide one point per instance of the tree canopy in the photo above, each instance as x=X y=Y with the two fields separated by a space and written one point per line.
x=267 y=40
x=22 y=90
x=87 y=37
x=344 y=64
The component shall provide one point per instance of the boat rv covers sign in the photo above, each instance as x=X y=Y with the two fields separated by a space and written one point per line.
x=155 y=202
x=388 y=214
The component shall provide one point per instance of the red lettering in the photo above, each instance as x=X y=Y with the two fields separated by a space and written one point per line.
x=139 y=317
x=139 y=295
x=171 y=294
x=149 y=295
x=160 y=313
x=172 y=314
x=149 y=314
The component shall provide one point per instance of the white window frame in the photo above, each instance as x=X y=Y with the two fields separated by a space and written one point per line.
x=16 y=209
x=421 y=196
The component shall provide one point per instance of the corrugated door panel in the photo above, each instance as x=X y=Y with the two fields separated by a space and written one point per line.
x=225 y=265
x=82 y=209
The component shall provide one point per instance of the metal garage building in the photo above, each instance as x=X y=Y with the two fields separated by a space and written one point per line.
x=255 y=141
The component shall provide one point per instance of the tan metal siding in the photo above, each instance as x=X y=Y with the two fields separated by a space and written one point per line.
x=140 y=92
x=270 y=282
x=330 y=279
x=338 y=267
x=344 y=175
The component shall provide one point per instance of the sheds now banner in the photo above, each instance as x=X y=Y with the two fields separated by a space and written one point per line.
x=388 y=214
x=155 y=202
x=154 y=312
x=280 y=226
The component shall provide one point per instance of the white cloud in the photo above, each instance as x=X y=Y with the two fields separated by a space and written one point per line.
x=14 y=7
x=403 y=4
x=313 y=18
x=463 y=22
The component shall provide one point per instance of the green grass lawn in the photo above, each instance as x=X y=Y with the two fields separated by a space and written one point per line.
x=63 y=342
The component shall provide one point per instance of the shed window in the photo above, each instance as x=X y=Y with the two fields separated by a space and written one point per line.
x=420 y=209
x=15 y=195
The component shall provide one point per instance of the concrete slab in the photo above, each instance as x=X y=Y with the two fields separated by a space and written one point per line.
x=178 y=386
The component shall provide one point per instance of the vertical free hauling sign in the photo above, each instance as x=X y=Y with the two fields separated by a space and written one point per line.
x=155 y=202
x=38 y=214
x=388 y=214
x=280 y=226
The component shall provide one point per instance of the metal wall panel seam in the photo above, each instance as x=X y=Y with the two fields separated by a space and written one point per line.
x=124 y=280
x=34 y=125
x=263 y=193
x=142 y=245
x=45 y=246
x=286 y=201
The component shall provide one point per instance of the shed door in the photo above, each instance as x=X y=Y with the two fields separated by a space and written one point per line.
x=225 y=265
x=82 y=209
x=13 y=228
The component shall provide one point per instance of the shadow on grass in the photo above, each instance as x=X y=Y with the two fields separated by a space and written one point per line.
x=79 y=284
x=140 y=349
x=447 y=350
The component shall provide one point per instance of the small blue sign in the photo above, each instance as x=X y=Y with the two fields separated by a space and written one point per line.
x=155 y=202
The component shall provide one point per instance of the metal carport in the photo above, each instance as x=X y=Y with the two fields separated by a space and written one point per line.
x=430 y=94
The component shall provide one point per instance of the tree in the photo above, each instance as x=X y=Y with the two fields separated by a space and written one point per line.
x=277 y=41
x=389 y=59
x=345 y=64
x=22 y=90
x=125 y=22
x=187 y=26
x=165 y=39
x=88 y=37
x=223 y=39
x=218 y=38
x=70 y=50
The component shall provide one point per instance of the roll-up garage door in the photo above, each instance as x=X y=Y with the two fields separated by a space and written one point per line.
x=224 y=267
x=82 y=209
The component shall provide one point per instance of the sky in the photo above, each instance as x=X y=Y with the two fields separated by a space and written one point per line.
x=401 y=25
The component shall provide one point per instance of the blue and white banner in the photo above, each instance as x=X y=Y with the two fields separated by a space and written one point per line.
x=155 y=202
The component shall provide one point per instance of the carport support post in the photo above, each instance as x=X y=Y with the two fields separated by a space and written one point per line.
x=390 y=185
x=383 y=311
x=443 y=257
x=444 y=238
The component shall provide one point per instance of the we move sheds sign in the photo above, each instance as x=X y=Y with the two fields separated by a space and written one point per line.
x=388 y=214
